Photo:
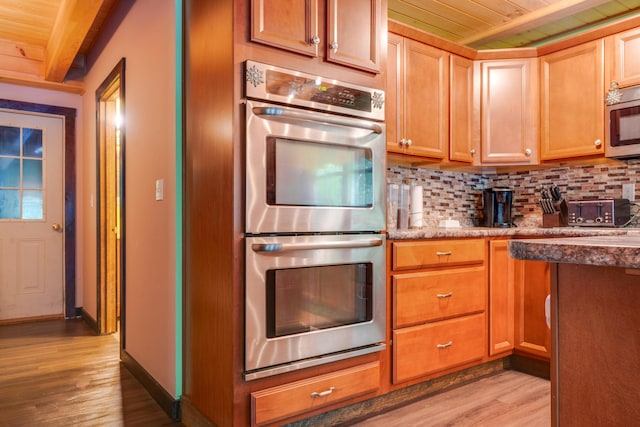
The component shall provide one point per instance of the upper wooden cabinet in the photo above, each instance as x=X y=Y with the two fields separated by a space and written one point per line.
x=623 y=52
x=509 y=111
x=461 y=116
x=417 y=107
x=573 y=102
x=352 y=37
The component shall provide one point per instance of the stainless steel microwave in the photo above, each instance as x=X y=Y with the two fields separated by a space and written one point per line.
x=622 y=138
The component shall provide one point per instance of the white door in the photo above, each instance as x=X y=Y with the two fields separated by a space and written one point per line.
x=31 y=215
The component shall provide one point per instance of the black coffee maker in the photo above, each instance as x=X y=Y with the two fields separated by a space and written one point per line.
x=497 y=207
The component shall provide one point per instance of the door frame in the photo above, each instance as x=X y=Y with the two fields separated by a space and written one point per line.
x=106 y=310
x=69 y=159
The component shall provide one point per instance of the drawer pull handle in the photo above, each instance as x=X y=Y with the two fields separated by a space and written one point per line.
x=447 y=295
x=449 y=344
x=322 y=393
x=444 y=253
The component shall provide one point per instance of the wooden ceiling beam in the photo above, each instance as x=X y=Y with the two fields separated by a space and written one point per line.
x=74 y=19
x=539 y=17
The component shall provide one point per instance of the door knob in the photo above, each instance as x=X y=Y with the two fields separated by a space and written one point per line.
x=56 y=227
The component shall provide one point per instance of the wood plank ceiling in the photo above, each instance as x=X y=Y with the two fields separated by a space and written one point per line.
x=42 y=40
x=496 y=24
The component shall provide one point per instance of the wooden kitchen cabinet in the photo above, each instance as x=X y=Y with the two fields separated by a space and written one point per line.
x=532 y=285
x=353 y=29
x=461 y=115
x=509 y=111
x=276 y=403
x=439 y=293
x=424 y=349
x=417 y=108
x=501 y=298
x=572 y=102
x=623 y=54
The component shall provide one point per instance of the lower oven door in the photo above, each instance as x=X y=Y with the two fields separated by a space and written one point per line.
x=313 y=296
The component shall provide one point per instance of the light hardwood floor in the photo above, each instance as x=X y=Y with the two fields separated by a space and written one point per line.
x=57 y=373
x=509 y=398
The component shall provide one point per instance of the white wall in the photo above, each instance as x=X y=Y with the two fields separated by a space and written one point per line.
x=146 y=39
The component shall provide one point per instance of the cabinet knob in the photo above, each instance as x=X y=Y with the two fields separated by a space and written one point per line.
x=333 y=46
x=598 y=143
x=473 y=151
x=315 y=40
x=402 y=142
x=527 y=152
x=408 y=143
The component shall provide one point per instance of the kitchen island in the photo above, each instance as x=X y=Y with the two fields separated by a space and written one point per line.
x=595 y=325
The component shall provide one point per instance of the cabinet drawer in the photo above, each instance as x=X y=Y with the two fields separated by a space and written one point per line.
x=437 y=294
x=294 y=398
x=420 y=350
x=434 y=253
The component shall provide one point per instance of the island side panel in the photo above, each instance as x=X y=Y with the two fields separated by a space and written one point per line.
x=596 y=332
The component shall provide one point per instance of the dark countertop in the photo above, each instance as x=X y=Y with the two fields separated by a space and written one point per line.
x=465 y=232
x=610 y=251
x=614 y=247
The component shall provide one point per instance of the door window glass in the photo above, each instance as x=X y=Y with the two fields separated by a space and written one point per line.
x=21 y=173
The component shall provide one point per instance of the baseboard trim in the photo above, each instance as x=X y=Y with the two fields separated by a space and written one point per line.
x=536 y=367
x=191 y=416
x=80 y=312
x=168 y=404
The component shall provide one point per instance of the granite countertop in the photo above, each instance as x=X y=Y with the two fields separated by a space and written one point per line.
x=610 y=251
x=465 y=232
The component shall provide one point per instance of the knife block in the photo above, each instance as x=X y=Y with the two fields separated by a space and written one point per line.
x=560 y=218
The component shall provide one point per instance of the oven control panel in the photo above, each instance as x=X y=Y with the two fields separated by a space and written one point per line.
x=599 y=213
x=271 y=83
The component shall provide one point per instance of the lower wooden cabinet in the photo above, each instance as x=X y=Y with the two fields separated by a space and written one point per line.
x=433 y=295
x=424 y=349
x=439 y=299
x=501 y=298
x=272 y=404
x=532 y=284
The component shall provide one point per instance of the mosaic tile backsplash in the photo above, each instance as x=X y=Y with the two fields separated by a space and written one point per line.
x=458 y=195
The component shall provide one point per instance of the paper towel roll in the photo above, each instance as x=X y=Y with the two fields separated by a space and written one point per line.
x=416 y=218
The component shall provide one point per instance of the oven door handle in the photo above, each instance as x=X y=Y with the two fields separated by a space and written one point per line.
x=284 y=247
x=310 y=117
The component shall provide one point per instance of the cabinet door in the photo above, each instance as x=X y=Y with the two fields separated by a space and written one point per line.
x=625 y=68
x=426 y=103
x=509 y=111
x=532 y=284
x=501 y=297
x=354 y=33
x=394 y=93
x=461 y=110
x=573 y=102
x=287 y=24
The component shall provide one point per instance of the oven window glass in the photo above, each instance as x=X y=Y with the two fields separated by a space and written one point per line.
x=304 y=299
x=625 y=126
x=303 y=173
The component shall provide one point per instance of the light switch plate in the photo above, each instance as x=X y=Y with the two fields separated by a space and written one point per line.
x=159 y=189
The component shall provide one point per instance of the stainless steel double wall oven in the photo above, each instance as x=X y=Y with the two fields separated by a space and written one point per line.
x=315 y=216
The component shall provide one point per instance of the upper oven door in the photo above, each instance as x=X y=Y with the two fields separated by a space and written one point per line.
x=313 y=172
